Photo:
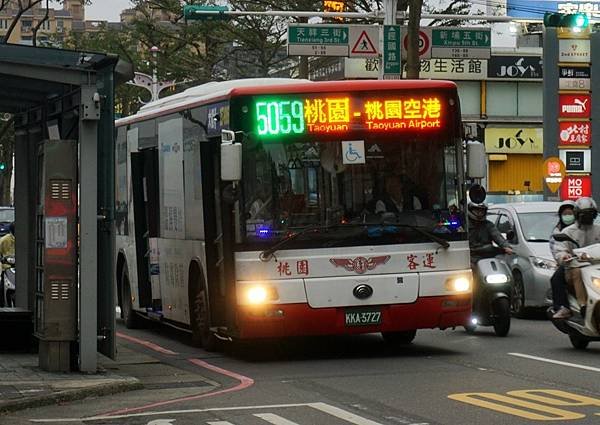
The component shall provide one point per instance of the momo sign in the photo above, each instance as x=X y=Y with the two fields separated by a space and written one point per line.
x=514 y=140
x=574 y=105
x=574 y=187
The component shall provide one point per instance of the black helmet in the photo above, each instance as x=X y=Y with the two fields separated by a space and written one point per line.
x=11 y=227
x=477 y=212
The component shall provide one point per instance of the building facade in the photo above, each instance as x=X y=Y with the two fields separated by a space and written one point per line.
x=54 y=30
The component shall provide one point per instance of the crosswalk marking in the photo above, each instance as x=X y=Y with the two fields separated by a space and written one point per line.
x=342 y=414
x=274 y=419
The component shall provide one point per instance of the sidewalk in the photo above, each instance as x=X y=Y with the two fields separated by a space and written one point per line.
x=23 y=384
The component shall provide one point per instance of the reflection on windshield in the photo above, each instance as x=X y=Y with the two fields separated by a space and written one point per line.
x=288 y=187
x=538 y=225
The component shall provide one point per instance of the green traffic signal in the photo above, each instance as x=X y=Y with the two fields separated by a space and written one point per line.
x=2 y=166
x=575 y=21
x=195 y=12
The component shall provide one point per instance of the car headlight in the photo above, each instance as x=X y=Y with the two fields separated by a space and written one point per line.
x=496 y=278
x=259 y=294
x=543 y=263
x=459 y=284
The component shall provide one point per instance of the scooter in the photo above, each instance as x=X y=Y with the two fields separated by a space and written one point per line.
x=492 y=283
x=8 y=280
x=583 y=329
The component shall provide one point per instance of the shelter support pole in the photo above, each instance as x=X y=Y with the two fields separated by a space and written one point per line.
x=88 y=181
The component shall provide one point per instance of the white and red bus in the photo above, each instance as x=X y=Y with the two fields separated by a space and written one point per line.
x=337 y=223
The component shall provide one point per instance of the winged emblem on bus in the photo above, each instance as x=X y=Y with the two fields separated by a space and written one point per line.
x=360 y=264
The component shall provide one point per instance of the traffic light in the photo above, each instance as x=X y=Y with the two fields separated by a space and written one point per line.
x=196 y=13
x=2 y=166
x=575 y=21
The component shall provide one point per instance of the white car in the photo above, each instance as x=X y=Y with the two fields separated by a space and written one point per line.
x=527 y=227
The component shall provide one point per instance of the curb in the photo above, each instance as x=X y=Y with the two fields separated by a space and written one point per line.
x=118 y=386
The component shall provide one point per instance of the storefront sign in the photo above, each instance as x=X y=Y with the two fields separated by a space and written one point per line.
x=574 y=187
x=575 y=133
x=453 y=69
x=514 y=67
x=574 y=105
x=361 y=68
x=574 y=50
x=514 y=140
x=576 y=160
x=535 y=9
x=574 y=78
x=554 y=173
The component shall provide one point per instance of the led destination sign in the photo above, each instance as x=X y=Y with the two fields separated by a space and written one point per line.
x=339 y=114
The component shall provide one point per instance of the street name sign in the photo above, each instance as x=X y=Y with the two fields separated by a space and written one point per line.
x=333 y=40
x=461 y=43
x=318 y=40
x=391 y=50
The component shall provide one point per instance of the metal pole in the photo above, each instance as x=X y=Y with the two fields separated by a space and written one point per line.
x=155 y=92
x=88 y=257
x=361 y=15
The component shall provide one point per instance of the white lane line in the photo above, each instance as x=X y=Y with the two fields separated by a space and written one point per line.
x=342 y=414
x=171 y=412
x=220 y=423
x=274 y=419
x=558 y=362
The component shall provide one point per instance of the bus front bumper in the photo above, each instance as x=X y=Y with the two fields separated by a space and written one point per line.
x=283 y=320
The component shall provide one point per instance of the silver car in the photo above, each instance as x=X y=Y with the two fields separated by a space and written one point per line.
x=527 y=227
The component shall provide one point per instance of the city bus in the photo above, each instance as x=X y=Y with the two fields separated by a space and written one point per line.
x=269 y=208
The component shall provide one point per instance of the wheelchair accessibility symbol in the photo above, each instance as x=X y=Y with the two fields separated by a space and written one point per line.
x=353 y=152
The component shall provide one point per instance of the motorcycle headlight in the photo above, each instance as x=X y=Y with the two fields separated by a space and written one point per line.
x=543 y=263
x=596 y=283
x=496 y=278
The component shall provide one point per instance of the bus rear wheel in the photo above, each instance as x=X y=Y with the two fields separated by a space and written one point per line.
x=200 y=323
x=130 y=317
x=399 y=338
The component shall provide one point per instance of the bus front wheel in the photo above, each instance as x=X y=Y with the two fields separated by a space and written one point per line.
x=200 y=323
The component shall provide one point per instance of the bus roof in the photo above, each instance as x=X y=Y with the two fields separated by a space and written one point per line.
x=214 y=91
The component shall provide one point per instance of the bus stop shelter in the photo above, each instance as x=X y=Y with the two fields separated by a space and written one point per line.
x=64 y=96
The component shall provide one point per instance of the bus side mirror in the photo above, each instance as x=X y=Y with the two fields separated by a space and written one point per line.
x=231 y=157
x=476 y=160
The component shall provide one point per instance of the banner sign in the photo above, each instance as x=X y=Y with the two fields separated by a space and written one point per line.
x=514 y=67
x=574 y=50
x=574 y=78
x=574 y=187
x=574 y=105
x=452 y=69
x=535 y=9
x=576 y=160
x=575 y=133
x=514 y=140
x=554 y=173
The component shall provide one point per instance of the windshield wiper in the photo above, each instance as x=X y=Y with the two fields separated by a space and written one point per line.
x=267 y=254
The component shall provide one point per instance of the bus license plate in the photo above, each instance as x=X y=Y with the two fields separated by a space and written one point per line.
x=363 y=317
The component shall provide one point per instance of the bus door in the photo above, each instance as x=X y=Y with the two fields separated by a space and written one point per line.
x=213 y=227
x=144 y=179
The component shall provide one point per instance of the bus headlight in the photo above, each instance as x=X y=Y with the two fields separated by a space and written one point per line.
x=459 y=284
x=496 y=278
x=259 y=294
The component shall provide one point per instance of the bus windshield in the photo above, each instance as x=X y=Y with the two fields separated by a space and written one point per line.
x=367 y=191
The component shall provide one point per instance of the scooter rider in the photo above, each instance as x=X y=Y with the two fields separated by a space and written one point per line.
x=583 y=232
x=483 y=232
x=7 y=248
x=560 y=300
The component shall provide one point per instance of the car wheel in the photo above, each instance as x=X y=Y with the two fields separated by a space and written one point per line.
x=517 y=299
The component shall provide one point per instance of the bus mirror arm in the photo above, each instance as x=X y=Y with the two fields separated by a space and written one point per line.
x=231 y=156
